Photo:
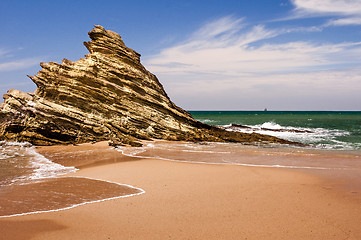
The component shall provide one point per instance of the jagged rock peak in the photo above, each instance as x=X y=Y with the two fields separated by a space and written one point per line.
x=108 y=42
x=108 y=95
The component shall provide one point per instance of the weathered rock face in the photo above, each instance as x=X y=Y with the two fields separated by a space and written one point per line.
x=108 y=95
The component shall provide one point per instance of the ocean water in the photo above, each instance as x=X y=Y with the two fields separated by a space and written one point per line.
x=341 y=131
x=21 y=166
x=333 y=141
x=319 y=129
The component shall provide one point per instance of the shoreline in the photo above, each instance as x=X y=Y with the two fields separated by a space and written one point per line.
x=197 y=201
x=136 y=190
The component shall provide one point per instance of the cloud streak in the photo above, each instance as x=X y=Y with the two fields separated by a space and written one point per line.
x=344 y=21
x=19 y=64
x=11 y=61
x=227 y=58
x=347 y=11
x=229 y=51
x=328 y=7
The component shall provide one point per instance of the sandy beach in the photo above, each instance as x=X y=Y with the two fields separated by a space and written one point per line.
x=193 y=201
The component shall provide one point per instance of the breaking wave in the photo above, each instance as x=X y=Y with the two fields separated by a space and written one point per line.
x=321 y=138
x=20 y=162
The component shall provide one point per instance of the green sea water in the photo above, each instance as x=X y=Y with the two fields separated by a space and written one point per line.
x=321 y=129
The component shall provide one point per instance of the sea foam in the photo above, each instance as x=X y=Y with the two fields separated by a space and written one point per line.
x=222 y=154
x=20 y=162
x=321 y=138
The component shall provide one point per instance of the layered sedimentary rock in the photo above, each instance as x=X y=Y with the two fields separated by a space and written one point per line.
x=108 y=95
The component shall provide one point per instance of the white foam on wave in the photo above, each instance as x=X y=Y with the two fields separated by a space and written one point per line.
x=40 y=166
x=44 y=168
x=200 y=151
x=20 y=144
x=207 y=120
x=339 y=145
x=130 y=152
x=318 y=137
x=141 y=191
x=270 y=125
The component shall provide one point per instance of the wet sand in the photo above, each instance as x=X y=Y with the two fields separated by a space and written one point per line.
x=60 y=193
x=194 y=201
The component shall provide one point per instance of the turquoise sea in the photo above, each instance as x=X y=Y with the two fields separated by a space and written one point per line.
x=334 y=130
x=340 y=131
x=21 y=165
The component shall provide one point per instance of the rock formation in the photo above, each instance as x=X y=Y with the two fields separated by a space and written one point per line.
x=108 y=95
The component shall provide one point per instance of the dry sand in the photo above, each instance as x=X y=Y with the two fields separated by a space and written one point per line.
x=194 y=201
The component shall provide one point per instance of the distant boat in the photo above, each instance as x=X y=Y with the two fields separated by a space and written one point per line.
x=265 y=110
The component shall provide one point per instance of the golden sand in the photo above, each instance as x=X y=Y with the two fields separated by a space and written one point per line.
x=194 y=201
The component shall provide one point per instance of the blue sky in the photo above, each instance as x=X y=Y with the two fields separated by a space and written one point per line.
x=208 y=54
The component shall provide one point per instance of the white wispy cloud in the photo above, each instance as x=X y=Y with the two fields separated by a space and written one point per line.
x=229 y=51
x=3 y=52
x=235 y=61
x=348 y=12
x=19 y=64
x=319 y=90
x=344 y=21
x=329 y=7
